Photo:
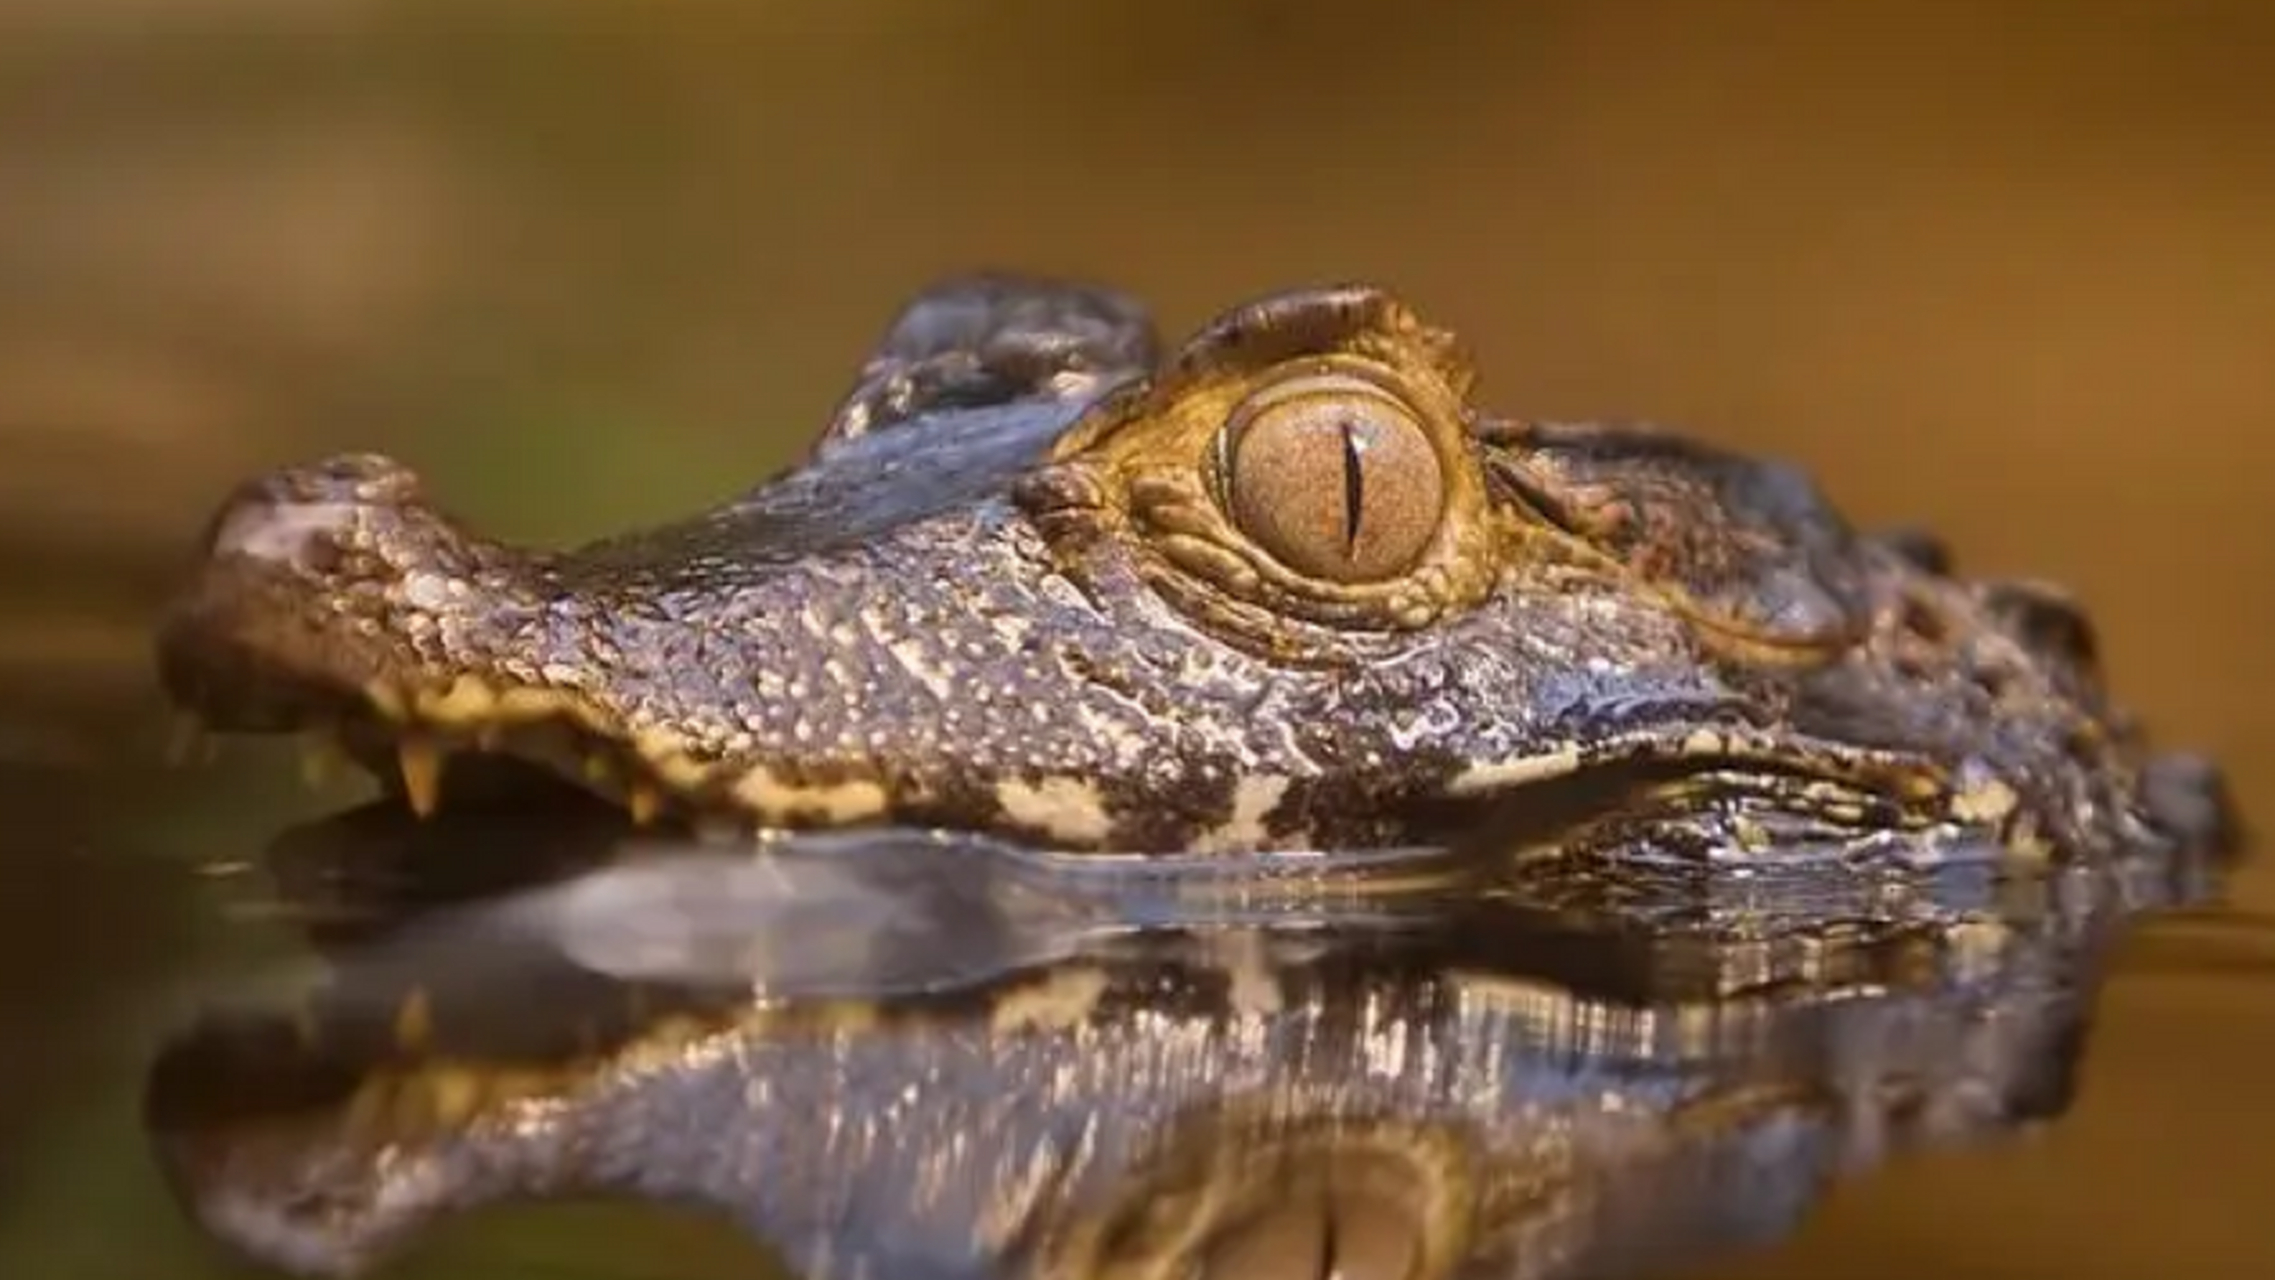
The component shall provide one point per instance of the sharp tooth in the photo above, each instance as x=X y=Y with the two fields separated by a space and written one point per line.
x=421 y=762
x=644 y=801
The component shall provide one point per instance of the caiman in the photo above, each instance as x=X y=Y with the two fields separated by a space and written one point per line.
x=1094 y=702
x=1287 y=587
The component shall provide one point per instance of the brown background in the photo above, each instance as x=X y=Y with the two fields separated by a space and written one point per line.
x=2007 y=269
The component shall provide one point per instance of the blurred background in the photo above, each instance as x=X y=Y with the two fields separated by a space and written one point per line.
x=2005 y=269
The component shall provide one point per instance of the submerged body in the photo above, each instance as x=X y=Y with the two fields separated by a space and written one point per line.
x=1288 y=587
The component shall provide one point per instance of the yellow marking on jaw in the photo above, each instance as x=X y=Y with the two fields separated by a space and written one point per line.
x=472 y=706
x=1060 y=808
x=466 y=700
x=1517 y=771
x=835 y=802
x=1253 y=800
x=661 y=751
x=469 y=702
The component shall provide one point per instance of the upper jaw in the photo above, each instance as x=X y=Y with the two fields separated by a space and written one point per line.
x=298 y=602
x=817 y=689
x=330 y=600
x=895 y=680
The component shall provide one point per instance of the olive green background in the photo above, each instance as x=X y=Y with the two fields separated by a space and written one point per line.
x=2005 y=269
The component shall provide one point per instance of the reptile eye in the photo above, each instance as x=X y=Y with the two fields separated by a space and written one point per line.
x=1333 y=476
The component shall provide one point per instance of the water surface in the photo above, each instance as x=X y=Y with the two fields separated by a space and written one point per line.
x=2002 y=269
x=912 y=1055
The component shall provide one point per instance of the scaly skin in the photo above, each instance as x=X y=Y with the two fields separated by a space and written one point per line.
x=1015 y=591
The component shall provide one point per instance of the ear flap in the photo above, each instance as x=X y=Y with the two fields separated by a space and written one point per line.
x=1748 y=548
x=976 y=341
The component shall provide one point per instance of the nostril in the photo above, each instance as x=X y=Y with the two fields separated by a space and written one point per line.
x=1920 y=549
x=373 y=479
x=260 y=526
x=2046 y=619
x=300 y=517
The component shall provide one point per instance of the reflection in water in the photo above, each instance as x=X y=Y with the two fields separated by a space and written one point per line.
x=896 y=1055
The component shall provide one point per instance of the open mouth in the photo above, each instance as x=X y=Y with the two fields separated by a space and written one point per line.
x=332 y=601
x=236 y=660
x=426 y=745
x=473 y=741
x=247 y=652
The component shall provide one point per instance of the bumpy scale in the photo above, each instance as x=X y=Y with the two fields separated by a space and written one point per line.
x=1288 y=586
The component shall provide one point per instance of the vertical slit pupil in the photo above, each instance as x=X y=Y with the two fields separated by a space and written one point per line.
x=1354 y=487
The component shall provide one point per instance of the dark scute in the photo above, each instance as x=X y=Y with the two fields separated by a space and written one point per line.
x=2188 y=796
x=1927 y=552
x=985 y=340
x=1751 y=543
x=2046 y=619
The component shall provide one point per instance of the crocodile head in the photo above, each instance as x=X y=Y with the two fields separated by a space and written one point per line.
x=1286 y=586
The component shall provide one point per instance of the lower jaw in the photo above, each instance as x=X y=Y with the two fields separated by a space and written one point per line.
x=433 y=768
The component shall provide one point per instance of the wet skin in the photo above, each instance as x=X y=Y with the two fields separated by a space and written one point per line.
x=1288 y=586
